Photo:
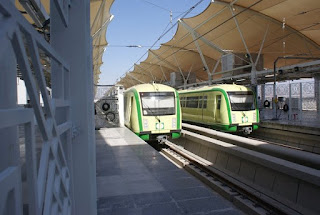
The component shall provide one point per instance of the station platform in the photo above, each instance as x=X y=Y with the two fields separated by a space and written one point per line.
x=301 y=131
x=134 y=178
x=304 y=119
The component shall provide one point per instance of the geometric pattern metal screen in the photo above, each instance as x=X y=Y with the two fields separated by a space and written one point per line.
x=308 y=93
x=49 y=183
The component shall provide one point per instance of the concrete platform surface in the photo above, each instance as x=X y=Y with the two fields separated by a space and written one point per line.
x=133 y=178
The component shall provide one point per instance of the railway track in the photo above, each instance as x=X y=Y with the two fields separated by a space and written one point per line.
x=282 y=151
x=218 y=181
x=294 y=136
x=256 y=182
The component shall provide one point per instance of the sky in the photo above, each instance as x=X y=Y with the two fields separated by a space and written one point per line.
x=140 y=23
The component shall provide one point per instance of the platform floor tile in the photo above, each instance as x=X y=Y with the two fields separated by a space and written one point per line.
x=133 y=178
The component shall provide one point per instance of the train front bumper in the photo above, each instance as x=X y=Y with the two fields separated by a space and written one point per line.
x=152 y=135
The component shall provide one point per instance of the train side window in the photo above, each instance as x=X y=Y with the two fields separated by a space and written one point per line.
x=218 y=101
x=192 y=102
x=183 y=101
x=204 y=102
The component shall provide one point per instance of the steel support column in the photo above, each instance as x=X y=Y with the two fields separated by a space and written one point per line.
x=134 y=78
x=290 y=102
x=74 y=44
x=165 y=61
x=200 y=52
x=274 y=99
x=262 y=99
x=300 y=102
x=317 y=93
x=158 y=65
x=184 y=79
x=131 y=80
x=165 y=77
x=195 y=35
x=153 y=78
x=104 y=26
x=262 y=44
x=215 y=66
x=253 y=68
x=121 y=105
x=193 y=32
x=241 y=35
x=253 y=65
x=9 y=147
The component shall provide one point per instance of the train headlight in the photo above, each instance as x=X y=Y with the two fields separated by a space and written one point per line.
x=145 y=124
x=174 y=123
x=234 y=119
x=254 y=115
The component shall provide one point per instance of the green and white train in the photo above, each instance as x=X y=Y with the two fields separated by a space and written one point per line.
x=226 y=107
x=152 y=111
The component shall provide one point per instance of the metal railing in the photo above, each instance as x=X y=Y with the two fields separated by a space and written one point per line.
x=299 y=96
x=49 y=188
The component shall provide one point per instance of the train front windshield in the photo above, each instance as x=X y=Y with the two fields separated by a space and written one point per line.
x=158 y=103
x=241 y=101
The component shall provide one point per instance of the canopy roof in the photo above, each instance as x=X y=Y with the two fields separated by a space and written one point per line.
x=99 y=19
x=255 y=29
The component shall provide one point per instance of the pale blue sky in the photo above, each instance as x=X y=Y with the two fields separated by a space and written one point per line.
x=140 y=22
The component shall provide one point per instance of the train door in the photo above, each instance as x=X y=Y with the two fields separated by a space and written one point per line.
x=218 y=107
x=127 y=110
x=208 y=108
x=132 y=115
x=203 y=106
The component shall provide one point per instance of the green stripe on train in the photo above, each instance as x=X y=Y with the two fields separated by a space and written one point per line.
x=175 y=135
x=136 y=96
x=178 y=110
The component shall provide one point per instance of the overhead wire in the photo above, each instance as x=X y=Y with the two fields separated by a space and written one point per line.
x=164 y=33
x=200 y=36
x=180 y=12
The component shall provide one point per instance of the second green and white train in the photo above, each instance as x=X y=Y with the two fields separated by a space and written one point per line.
x=226 y=107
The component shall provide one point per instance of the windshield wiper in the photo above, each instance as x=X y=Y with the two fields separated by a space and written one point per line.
x=153 y=113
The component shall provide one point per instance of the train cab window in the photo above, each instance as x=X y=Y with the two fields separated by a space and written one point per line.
x=218 y=102
x=158 y=103
x=241 y=101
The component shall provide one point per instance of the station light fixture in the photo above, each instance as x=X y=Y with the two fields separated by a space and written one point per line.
x=239 y=80
x=269 y=76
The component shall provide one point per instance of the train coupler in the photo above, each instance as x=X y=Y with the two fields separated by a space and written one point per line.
x=162 y=139
x=247 y=130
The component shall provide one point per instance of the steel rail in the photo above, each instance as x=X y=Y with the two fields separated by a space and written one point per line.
x=285 y=185
x=280 y=151
x=249 y=199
